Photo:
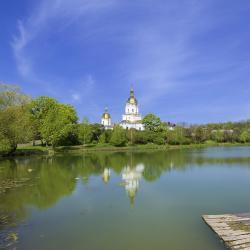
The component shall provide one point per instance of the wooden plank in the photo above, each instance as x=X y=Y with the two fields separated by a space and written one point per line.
x=233 y=229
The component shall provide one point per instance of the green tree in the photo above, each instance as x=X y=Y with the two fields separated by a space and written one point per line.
x=177 y=136
x=159 y=138
x=97 y=130
x=118 y=137
x=85 y=132
x=15 y=127
x=5 y=145
x=58 y=124
x=245 y=136
x=11 y=95
x=15 y=122
x=218 y=136
x=102 y=138
x=39 y=109
x=199 y=134
x=151 y=122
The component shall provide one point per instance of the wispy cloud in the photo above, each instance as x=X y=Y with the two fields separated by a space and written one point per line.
x=82 y=89
x=49 y=13
x=163 y=48
x=76 y=97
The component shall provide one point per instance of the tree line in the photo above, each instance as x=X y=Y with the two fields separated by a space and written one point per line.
x=23 y=119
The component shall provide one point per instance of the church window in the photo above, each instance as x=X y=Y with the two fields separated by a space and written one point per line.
x=132 y=110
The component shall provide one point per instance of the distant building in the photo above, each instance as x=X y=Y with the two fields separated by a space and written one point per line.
x=229 y=131
x=169 y=125
x=132 y=118
x=106 y=120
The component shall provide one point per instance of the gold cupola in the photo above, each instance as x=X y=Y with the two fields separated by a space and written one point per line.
x=132 y=100
x=106 y=114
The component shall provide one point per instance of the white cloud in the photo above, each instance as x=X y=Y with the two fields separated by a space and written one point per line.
x=76 y=97
x=46 y=13
x=83 y=89
x=162 y=51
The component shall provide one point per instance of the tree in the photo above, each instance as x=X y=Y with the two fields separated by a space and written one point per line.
x=58 y=124
x=15 y=127
x=97 y=130
x=85 y=132
x=159 y=138
x=11 y=95
x=245 y=136
x=15 y=122
x=5 y=145
x=199 y=134
x=102 y=138
x=118 y=137
x=151 y=122
x=218 y=136
x=177 y=136
x=39 y=109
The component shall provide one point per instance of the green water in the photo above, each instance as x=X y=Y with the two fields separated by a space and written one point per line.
x=121 y=201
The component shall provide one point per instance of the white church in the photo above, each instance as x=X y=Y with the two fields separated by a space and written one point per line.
x=131 y=117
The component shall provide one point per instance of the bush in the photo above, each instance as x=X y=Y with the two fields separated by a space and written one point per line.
x=245 y=136
x=5 y=146
x=159 y=139
x=118 y=137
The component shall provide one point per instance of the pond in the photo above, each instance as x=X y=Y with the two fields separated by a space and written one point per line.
x=121 y=200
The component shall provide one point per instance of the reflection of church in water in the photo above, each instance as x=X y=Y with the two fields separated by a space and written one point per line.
x=130 y=179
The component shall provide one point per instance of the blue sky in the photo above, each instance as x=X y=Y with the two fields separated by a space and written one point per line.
x=187 y=60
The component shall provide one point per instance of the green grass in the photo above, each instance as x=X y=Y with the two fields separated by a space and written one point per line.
x=150 y=146
x=26 y=150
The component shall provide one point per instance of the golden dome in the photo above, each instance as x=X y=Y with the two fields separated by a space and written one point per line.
x=106 y=115
x=132 y=99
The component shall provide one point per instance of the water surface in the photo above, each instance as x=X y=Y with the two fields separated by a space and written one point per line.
x=140 y=200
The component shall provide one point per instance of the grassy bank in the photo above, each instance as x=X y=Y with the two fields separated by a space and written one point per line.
x=39 y=150
x=107 y=147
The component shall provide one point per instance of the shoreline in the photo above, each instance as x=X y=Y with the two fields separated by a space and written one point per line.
x=39 y=150
x=147 y=147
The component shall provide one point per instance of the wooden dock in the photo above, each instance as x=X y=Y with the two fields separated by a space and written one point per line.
x=233 y=229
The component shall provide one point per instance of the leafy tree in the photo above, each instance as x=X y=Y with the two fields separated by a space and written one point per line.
x=218 y=136
x=11 y=95
x=85 y=132
x=159 y=138
x=58 y=124
x=236 y=135
x=151 y=122
x=118 y=137
x=39 y=109
x=245 y=136
x=199 y=134
x=15 y=122
x=97 y=130
x=102 y=138
x=15 y=127
x=5 y=145
x=177 y=136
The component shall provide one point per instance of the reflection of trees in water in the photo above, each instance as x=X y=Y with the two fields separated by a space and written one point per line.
x=50 y=178
x=44 y=180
